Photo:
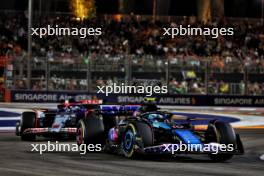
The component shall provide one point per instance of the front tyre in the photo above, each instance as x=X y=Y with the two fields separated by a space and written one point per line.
x=225 y=134
x=128 y=141
x=137 y=135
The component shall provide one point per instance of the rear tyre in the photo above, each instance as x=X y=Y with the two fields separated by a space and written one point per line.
x=28 y=121
x=136 y=135
x=90 y=130
x=225 y=134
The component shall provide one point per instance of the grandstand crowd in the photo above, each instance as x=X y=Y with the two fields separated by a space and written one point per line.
x=143 y=41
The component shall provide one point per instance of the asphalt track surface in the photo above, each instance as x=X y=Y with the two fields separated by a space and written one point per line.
x=16 y=158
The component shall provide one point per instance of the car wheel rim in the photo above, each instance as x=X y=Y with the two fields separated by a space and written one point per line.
x=128 y=140
x=79 y=136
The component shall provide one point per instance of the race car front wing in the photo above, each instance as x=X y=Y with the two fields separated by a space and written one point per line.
x=50 y=130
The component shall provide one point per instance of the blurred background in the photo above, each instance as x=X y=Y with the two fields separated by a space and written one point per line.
x=132 y=48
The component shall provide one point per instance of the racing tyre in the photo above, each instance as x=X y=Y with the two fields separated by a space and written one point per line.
x=225 y=134
x=137 y=135
x=90 y=130
x=28 y=121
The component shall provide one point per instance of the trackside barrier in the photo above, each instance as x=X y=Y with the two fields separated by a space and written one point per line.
x=164 y=99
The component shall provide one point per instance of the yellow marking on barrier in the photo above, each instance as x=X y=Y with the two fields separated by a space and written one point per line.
x=204 y=127
x=249 y=127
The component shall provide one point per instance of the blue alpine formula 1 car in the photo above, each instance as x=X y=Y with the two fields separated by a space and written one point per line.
x=156 y=132
x=60 y=122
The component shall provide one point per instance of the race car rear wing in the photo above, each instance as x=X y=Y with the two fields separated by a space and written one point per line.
x=91 y=102
x=87 y=103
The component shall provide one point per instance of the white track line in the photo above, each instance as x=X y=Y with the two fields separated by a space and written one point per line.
x=10 y=118
x=7 y=128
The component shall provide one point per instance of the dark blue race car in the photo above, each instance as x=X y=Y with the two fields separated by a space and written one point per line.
x=60 y=122
x=156 y=132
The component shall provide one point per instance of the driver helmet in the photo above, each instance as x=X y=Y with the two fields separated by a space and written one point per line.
x=149 y=104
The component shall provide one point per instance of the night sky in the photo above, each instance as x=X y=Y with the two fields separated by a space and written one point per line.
x=233 y=8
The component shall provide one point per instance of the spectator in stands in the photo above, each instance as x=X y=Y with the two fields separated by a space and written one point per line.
x=149 y=49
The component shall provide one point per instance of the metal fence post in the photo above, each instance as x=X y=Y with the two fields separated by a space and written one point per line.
x=128 y=69
x=47 y=73
x=206 y=77
x=29 y=48
x=127 y=63
x=88 y=74
x=167 y=72
x=246 y=79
